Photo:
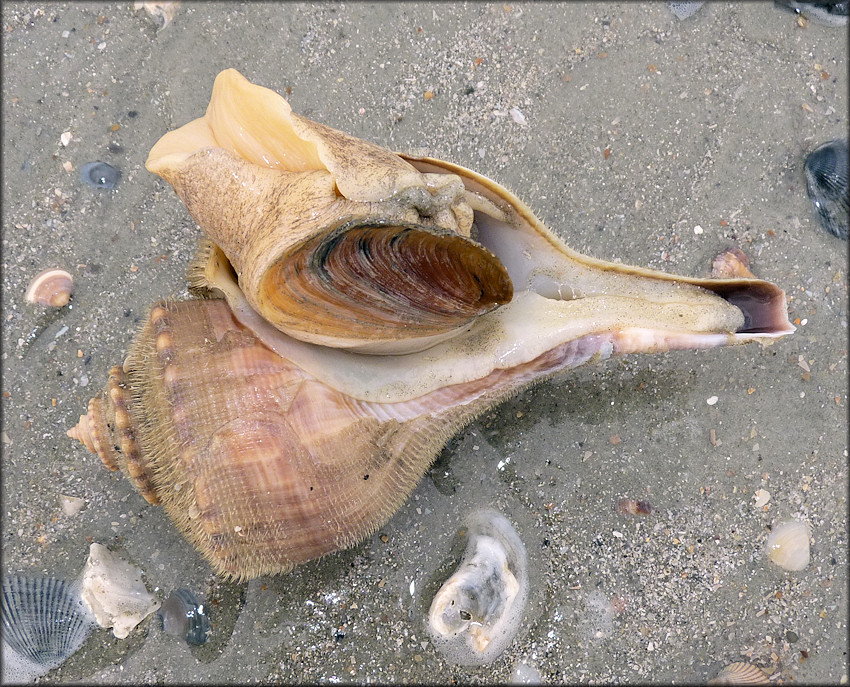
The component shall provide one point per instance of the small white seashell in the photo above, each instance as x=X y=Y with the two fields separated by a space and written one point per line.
x=740 y=673
x=788 y=545
x=517 y=115
x=114 y=591
x=478 y=610
x=65 y=138
x=761 y=497
x=51 y=287
x=71 y=505
x=711 y=400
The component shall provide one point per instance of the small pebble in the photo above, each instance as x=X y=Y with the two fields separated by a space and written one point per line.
x=711 y=400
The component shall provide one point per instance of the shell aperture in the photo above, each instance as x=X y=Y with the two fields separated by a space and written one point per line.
x=477 y=611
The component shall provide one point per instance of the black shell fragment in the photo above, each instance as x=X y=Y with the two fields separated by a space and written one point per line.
x=99 y=174
x=184 y=616
x=826 y=181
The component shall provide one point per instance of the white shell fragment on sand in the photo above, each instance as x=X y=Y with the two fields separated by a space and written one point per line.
x=114 y=591
x=788 y=545
x=479 y=609
x=761 y=497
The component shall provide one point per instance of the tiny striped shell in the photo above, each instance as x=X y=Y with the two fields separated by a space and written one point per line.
x=740 y=673
x=788 y=545
x=51 y=287
x=44 y=622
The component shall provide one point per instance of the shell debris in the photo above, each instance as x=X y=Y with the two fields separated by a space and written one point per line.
x=740 y=673
x=51 y=287
x=114 y=591
x=479 y=609
x=788 y=545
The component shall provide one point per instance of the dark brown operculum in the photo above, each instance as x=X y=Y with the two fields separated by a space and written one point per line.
x=385 y=282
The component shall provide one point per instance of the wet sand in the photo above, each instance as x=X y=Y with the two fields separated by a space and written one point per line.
x=636 y=136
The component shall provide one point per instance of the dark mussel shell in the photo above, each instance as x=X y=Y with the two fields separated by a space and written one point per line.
x=44 y=620
x=184 y=616
x=99 y=174
x=827 y=13
x=826 y=180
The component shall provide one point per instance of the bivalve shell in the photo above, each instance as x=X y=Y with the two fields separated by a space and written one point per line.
x=741 y=673
x=788 y=545
x=44 y=622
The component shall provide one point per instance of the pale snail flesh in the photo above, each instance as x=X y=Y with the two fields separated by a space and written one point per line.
x=283 y=416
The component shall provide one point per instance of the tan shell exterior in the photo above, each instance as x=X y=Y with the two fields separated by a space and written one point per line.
x=257 y=463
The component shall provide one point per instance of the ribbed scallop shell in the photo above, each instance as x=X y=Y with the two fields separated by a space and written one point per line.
x=44 y=619
x=826 y=181
x=741 y=673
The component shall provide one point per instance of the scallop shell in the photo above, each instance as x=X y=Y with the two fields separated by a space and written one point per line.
x=788 y=545
x=479 y=609
x=267 y=449
x=741 y=673
x=51 y=287
x=826 y=182
x=44 y=622
x=184 y=616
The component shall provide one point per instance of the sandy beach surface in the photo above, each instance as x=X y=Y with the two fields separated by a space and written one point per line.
x=636 y=136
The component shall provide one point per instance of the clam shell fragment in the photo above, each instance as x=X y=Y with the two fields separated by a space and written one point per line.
x=740 y=673
x=788 y=545
x=113 y=589
x=478 y=610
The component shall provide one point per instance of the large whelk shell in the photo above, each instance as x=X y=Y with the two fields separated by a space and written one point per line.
x=267 y=449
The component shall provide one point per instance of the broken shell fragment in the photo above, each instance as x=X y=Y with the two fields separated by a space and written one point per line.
x=479 y=609
x=788 y=545
x=113 y=589
x=761 y=497
x=740 y=673
x=184 y=616
x=51 y=287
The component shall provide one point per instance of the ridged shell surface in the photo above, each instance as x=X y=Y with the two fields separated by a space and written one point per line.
x=826 y=181
x=740 y=673
x=44 y=620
